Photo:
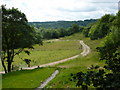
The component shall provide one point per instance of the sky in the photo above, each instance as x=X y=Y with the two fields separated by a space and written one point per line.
x=68 y=10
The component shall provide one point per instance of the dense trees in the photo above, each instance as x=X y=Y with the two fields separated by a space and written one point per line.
x=61 y=24
x=86 y=29
x=101 y=28
x=110 y=52
x=16 y=34
x=56 y=33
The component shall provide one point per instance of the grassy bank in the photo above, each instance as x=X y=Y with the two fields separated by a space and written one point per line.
x=26 y=78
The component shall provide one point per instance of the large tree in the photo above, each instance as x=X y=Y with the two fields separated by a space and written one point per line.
x=16 y=35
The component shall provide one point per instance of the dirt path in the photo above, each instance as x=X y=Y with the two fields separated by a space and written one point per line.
x=48 y=80
x=86 y=51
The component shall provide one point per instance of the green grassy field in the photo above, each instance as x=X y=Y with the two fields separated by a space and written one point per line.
x=76 y=65
x=76 y=36
x=51 y=51
x=26 y=78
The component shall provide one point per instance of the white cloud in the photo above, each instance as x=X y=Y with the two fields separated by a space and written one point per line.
x=53 y=10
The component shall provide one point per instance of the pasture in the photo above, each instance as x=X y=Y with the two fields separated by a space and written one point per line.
x=50 y=51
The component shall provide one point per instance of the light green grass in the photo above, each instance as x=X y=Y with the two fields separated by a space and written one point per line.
x=53 y=51
x=73 y=66
x=79 y=64
x=50 y=52
x=26 y=78
x=76 y=36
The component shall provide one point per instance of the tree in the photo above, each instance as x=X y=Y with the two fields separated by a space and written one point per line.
x=110 y=52
x=102 y=27
x=75 y=28
x=47 y=34
x=16 y=34
x=87 y=29
x=27 y=61
x=63 y=32
x=38 y=37
x=55 y=33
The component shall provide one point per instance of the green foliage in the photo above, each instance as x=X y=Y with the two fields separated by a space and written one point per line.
x=60 y=24
x=86 y=30
x=38 y=37
x=27 y=61
x=98 y=78
x=63 y=32
x=102 y=27
x=74 y=28
x=16 y=34
x=57 y=33
x=110 y=52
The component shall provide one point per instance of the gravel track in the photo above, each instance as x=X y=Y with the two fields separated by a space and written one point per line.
x=86 y=51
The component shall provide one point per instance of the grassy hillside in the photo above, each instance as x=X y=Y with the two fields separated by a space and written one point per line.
x=51 y=51
x=54 y=50
x=76 y=65
x=26 y=78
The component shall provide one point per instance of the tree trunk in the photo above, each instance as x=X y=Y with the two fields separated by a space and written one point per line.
x=9 y=60
x=4 y=66
x=9 y=66
x=28 y=64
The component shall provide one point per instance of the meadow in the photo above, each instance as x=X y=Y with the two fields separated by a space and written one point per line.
x=79 y=64
x=51 y=51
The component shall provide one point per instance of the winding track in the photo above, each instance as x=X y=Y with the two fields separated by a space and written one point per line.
x=86 y=51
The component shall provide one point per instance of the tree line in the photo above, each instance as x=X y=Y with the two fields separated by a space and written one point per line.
x=61 y=24
x=61 y=32
x=107 y=27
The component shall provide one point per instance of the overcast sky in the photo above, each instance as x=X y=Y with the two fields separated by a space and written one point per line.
x=69 y=10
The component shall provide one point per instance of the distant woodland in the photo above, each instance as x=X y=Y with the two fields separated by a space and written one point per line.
x=61 y=24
